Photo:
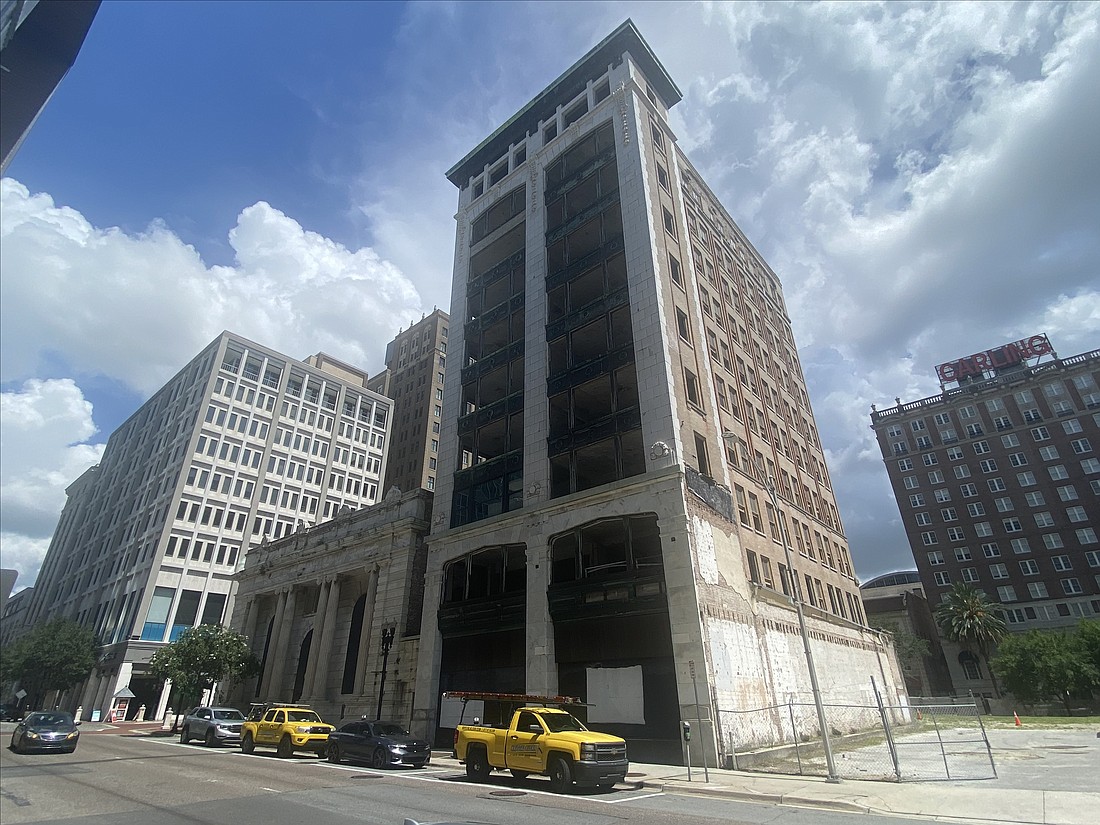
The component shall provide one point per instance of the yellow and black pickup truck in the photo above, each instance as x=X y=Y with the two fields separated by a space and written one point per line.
x=542 y=740
x=285 y=727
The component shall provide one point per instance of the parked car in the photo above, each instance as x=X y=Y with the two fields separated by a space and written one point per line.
x=380 y=743
x=51 y=730
x=10 y=712
x=288 y=728
x=212 y=725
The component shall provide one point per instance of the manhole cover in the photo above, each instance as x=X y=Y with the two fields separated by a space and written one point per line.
x=507 y=793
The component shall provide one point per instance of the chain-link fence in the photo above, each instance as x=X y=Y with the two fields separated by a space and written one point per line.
x=877 y=742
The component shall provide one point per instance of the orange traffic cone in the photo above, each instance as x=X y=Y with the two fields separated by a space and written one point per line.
x=1017 y=717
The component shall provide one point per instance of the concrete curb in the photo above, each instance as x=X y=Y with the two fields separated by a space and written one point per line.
x=726 y=792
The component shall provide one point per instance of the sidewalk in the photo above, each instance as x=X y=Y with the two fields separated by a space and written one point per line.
x=977 y=801
x=984 y=801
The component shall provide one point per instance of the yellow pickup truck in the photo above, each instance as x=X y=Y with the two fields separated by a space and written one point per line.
x=543 y=740
x=287 y=728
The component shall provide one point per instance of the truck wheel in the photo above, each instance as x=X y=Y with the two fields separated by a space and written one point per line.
x=286 y=747
x=561 y=775
x=247 y=743
x=333 y=752
x=185 y=736
x=477 y=764
x=211 y=740
x=521 y=775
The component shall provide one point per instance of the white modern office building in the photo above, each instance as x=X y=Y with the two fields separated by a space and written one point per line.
x=243 y=446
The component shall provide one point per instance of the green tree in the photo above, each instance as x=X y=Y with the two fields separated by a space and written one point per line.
x=202 y=656
x=1050 y=664
x=968 y=617
x=54 y=656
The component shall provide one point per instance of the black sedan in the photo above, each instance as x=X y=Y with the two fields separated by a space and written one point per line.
x=51 y=730
x=382 y=744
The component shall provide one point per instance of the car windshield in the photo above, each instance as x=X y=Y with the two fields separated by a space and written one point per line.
x=557 y=722
x=389 y=729
x=228 y=713
x=302 y=716
x=48 y=719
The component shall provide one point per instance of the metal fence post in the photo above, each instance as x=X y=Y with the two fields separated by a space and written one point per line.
x=794 y=737
x=886 y=729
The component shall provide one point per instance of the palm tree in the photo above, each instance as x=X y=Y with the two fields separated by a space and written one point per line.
x=968 y=617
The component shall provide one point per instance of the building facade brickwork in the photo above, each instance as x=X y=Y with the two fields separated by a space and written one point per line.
x=416 y=363
x=998 y=483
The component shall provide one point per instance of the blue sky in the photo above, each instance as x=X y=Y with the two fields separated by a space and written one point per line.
x=923 y=178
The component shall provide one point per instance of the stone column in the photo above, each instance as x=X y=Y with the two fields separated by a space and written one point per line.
x=426 y=695
x=250 y=615
x=286 y=637
x=365 y=634
x=318 y=633
x=245 y=691
x=324 y=655
x=541 y=673
x=273 y=646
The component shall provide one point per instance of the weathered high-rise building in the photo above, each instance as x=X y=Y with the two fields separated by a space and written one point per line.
x=416 y=363
x=624 y=383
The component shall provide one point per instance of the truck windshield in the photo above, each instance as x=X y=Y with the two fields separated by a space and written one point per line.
x=557 y=722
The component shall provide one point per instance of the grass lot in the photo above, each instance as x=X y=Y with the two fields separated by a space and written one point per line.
x=1042 y=721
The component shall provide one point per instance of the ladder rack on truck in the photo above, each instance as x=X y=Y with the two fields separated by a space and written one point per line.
x=503 y=704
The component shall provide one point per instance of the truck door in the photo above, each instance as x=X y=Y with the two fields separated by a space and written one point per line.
x=270 y=725
x=524 y=751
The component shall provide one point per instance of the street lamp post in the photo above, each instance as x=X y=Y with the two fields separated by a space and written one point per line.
x=769 y=485
x=387 y=643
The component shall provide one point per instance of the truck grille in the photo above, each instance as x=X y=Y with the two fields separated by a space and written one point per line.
x=610 y=752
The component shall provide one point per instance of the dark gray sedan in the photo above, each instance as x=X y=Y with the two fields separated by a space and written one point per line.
x=382 y=744
x=52 y=730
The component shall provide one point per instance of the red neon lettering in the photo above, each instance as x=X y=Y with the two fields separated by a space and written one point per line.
x=1038 y=345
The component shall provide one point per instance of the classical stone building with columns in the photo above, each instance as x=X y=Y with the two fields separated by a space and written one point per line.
x=317 y=605
x=631 y=492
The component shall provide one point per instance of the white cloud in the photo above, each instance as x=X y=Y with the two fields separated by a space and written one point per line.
x=44 y=427
x=923 y=179
x=136 y=308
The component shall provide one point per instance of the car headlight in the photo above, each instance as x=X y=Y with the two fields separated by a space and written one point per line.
x=303 y=729
x=588 y=751
x=73 y=735
x=32 y=735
